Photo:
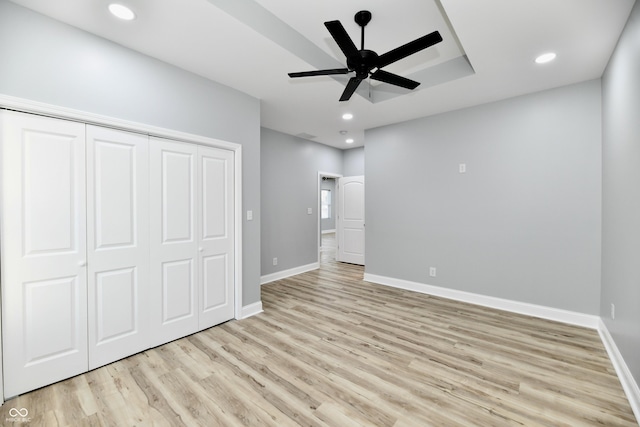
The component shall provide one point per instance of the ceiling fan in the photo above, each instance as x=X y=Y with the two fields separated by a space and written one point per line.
x=366 y=63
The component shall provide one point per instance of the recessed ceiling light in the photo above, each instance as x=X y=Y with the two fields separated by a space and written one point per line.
x=349 y=141
x=347 y=116
x=545 y=57
x=122 y=12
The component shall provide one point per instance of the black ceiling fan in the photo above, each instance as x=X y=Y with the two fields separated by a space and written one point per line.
x=367 y=63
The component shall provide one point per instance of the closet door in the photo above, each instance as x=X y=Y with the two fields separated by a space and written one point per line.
x=174 y=251
x=118 y=244
x=215 y=236
x=44 y=288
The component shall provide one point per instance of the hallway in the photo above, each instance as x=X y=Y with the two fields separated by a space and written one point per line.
x=328 y=248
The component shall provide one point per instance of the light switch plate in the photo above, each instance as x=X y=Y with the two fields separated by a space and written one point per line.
x=462 y=168
x=249 y=215
x=309 y=211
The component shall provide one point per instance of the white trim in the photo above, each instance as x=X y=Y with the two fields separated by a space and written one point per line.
x=268 y=278
x=28 y=106
x=328 y=231
x=556 y=314
x=238 y=231
x=35 y=107
x=629 y=385
x=251 y=310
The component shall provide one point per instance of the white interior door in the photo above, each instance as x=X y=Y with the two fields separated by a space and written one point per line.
x=351 y=220
x=215 y=236
x=44 y=285
x=173 y=243
x=118 y=244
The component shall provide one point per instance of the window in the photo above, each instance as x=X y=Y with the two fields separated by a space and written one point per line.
x=325 y=204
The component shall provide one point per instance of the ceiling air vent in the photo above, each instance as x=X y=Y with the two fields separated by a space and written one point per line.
x=306 y=136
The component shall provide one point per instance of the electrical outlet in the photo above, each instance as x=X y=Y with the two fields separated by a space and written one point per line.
x=432 y=271
x=613 y=311
x=275 y=261
x=462 y=168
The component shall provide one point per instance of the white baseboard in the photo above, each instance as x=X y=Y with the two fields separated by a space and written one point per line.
x=328 y=231
x=288 y=273
x=629 y=385
x=251 y=310
x=559 y=315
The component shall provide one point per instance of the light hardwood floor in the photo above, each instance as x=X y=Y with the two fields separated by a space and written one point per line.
x=332 y=350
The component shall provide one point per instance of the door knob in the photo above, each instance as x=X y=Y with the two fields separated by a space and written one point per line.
x=82 y=263
x=201 y=249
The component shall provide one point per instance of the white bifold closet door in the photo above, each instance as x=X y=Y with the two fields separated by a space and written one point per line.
x=44 y=251
x=117 y=244
x=216 y=223
x=112 y=242
x=174 y=247
x=192 y=229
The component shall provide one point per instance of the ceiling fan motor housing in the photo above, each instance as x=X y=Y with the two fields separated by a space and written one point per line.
x=367 y=61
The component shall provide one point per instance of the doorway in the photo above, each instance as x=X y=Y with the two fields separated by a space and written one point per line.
x=345 y=201
x=327 y=216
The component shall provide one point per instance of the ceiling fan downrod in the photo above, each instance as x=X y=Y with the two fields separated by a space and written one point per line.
x=362 y=18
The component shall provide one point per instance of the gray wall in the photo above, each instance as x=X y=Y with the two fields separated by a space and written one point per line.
x=289 y=186
x=523 y=223
x=353 y=162
x=329 y=223
x=47 y=61
x=621 y=194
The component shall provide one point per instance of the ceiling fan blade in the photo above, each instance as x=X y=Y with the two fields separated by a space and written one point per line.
x=409 y=49
x=343 y=40
x=394 y=79
x=320 y=72
x=353 y=84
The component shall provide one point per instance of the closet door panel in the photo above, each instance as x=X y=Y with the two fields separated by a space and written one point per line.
x=173 y=240
x=44 y=251
x=177 y=290
x=118 y=237
x=116 y=308
x=48 y=169
x=216 y=230
x=177 y=177
x=55 y=334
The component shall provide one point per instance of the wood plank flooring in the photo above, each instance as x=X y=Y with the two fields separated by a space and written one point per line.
x=332 y=350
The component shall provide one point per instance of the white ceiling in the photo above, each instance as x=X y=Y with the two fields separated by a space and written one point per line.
x=251 y=45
